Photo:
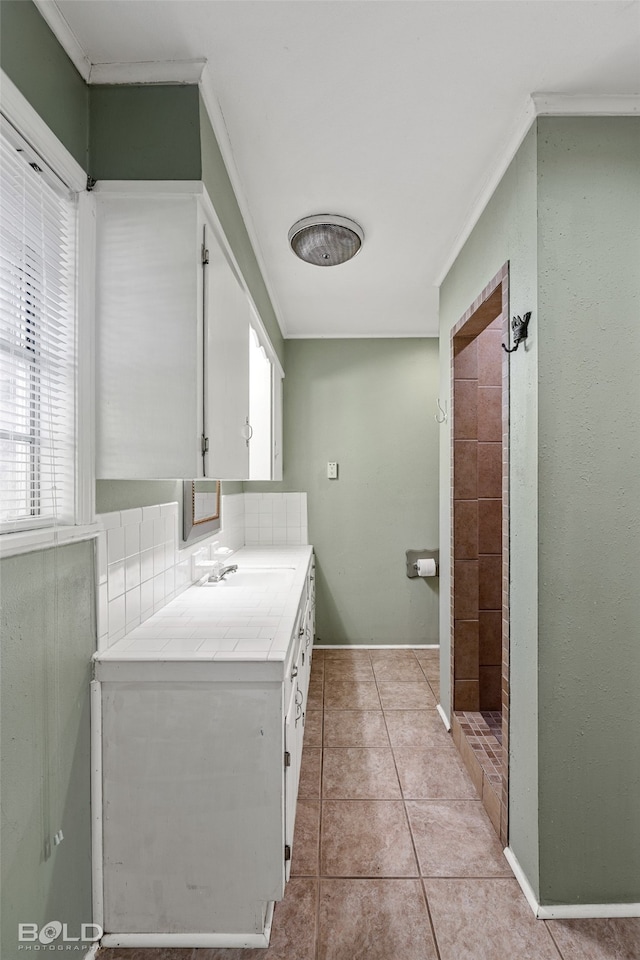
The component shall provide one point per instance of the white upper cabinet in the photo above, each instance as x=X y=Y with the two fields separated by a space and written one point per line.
x=227 y=427
x=172 y=338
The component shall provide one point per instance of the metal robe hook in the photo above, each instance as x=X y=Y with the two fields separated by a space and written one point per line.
x=443 y=418
x=519 y=327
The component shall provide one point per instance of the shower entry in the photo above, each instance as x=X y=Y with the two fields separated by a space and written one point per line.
x=480 y=546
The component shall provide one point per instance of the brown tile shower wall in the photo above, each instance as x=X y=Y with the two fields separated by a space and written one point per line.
x=477 y=517
x=481 y=473
x=490 y=513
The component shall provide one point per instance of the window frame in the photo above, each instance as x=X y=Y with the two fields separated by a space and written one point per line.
x=30 y=126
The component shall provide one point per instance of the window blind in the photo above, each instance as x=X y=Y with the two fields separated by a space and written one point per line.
x=37 y=341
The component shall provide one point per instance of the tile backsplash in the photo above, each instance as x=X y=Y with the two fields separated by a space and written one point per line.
x=275 y=519
x=140 y=566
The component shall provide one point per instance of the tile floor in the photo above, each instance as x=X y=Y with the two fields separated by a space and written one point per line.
x=394 y=857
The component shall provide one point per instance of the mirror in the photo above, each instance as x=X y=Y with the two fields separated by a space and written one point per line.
x=201 y=509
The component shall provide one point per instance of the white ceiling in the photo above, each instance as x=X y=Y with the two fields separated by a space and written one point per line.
x=396 y=113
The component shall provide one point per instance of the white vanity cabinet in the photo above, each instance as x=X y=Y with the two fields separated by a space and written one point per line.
x=199 y=760
x=172 y=337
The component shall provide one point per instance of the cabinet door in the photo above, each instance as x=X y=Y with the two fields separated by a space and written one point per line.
x=291 y=775
x=148 y=390
x=226 y=366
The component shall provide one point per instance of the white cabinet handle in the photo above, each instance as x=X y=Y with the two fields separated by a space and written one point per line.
x=247 y=431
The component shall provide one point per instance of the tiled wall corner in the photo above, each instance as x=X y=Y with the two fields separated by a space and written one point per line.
x=275 y=519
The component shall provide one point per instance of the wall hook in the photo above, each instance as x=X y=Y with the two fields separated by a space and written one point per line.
x=519 y=326
x=443 y=418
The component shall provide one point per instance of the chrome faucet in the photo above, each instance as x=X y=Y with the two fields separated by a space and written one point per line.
x=220 y=572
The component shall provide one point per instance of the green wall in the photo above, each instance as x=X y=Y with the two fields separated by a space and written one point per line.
x=368 y=404
x=589 y=535
x=48 y=637
x=33 y=59
x=145 y=132
x=506 y=231
x=566 y=216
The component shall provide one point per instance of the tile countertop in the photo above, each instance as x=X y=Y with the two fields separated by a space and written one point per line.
x=212 y=629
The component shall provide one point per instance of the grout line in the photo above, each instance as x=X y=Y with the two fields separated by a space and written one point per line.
x=560 y=953
x=431 y=923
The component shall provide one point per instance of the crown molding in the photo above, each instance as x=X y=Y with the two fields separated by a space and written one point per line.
x=147 y=71
x=216 y=116
x=65 y=36
x=519 y=130
x=585 y=105
x=538 y=105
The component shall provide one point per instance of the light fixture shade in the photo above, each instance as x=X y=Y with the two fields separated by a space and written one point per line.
x=326 y=239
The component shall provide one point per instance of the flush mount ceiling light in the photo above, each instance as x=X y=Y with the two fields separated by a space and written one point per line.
x=326 y=239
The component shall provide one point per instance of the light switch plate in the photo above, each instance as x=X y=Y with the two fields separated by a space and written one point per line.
x=332 y=470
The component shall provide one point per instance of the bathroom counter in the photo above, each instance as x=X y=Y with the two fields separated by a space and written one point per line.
x=198 y=720
x=247 y=620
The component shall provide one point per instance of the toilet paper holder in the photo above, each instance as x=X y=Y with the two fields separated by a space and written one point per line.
x=414 y=555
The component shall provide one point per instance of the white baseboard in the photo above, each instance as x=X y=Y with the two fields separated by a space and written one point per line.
x=443 y=716
x=92 y=951
x=567 y=911
x=192 y=940
x=376 y=646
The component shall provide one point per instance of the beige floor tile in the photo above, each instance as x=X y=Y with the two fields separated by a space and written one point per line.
x=373 y=920
x=356 y=773
x=365 y=838
x=351 y=695
x=454 y=838
x=431 y=654
x=598 y=939
x=293 y=933
x=355 y=728
x=313 y=724
x=344 y=653
x=390 y=653
x=317 y=668
x=433 y=774
x=416 y=727
x=315 y=695
x=486 y=920
x=397 y=669
x=430 y=670
x=309 y=786
x=306 y=839
x=346 y=669
x=401 y=695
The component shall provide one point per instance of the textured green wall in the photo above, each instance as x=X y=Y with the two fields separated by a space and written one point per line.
x=506 y=231
x=566 y=215
x=368 y=404
x=145 y=132
x=48 y=638
x=33 y=59
x=589 y=537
